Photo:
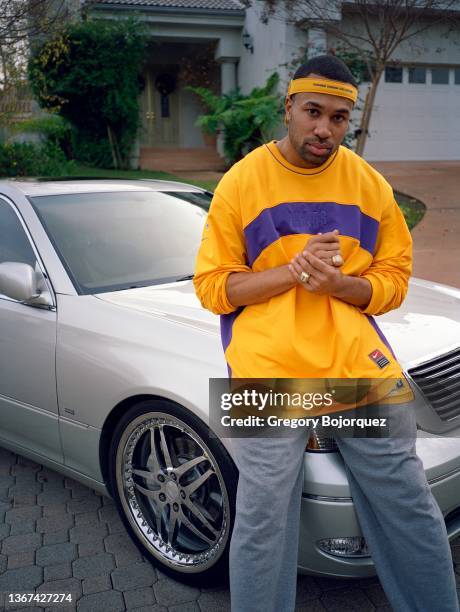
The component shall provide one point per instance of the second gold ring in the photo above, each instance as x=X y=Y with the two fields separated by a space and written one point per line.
x=303 y=277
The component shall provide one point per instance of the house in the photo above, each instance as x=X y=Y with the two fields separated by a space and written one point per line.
x=416 y=110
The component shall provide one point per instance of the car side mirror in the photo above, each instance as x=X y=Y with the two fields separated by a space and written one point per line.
x=18 y=281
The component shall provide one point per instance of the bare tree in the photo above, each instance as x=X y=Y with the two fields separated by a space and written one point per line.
x=21 y=19
x=373 y=30
x=21 y=23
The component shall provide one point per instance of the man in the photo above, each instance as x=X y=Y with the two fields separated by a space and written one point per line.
x=282 y=221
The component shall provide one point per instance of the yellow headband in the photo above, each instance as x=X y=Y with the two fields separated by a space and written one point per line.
x=324 y=86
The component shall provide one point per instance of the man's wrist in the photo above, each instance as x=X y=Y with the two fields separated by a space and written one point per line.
x=292 y=276
x=354 y=290
x=245 y=288
x=343 y=287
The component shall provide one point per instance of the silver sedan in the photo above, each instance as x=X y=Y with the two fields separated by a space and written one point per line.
x=105 y=361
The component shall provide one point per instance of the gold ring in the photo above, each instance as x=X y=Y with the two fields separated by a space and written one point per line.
x=303 y=277
x=337 y=260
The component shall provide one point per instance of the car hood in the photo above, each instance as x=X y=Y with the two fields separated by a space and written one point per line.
x=427 y=323
x=173 y=301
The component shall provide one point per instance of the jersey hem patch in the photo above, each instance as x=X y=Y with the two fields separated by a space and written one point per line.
x=379 y=358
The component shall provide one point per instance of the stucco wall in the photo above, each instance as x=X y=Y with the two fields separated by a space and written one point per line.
x=190 y=108
x=275 y=44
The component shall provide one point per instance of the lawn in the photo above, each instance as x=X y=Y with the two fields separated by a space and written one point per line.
x=89 y=172
x=412 y=209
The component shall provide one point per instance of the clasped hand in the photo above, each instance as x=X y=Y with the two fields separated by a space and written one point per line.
x=316 y=260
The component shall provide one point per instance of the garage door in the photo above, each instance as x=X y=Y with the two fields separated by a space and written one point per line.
x=416 y=115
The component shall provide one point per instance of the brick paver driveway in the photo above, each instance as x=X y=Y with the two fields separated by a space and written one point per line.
x=436 y=237
x=58 y=536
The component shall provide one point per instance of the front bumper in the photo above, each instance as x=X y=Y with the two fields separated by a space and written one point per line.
x=327 y=510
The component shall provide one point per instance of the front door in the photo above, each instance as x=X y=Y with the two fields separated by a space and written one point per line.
x=28 y=398
x=160 y=107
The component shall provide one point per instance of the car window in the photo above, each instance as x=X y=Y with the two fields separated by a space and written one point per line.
x=200 y=198
x=14 y=243
x=117 y=240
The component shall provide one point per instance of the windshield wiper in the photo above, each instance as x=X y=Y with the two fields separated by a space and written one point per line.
x=184 y=278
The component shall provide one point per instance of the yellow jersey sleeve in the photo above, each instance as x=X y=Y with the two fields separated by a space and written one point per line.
x=222 y=251
x=391 y=267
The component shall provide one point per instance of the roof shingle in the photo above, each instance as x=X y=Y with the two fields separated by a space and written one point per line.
x=224 y=5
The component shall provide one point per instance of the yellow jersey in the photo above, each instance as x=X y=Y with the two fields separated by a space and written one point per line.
x=263 y=212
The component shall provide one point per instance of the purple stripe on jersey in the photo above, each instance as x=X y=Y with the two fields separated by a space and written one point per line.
x=226 y=327
x=380 y=333
x=309 y=218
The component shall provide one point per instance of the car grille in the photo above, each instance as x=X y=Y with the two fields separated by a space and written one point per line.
x=439 y=381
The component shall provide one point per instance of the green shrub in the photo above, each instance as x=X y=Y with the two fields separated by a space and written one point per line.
x=54 y=161
x=30 y=159
x=90 y=75
x=18 y=159
x=53 y=128
x=90 y=150
x=246 y=121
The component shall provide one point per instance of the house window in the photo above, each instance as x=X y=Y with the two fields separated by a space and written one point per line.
x=417 y=74
x=440 y=76
x=14 y=243
x=457 y=76
x=393 y=74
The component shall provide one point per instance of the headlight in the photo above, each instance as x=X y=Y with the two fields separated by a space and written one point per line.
x=318 y=442
x=354 y=546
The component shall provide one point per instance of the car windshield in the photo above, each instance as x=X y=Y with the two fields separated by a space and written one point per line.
x=119 y=240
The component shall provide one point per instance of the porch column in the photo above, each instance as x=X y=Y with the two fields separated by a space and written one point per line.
x=227 y=83
x=228 y=73
x=227 y=53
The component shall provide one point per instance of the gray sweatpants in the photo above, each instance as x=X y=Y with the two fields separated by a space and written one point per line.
x=398 y=515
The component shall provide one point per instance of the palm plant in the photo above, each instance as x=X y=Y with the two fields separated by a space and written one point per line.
x=245 y=120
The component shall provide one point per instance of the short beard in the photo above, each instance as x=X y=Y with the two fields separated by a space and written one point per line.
x=303 y=152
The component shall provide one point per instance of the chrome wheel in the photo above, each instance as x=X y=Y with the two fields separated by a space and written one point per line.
x=172 y=492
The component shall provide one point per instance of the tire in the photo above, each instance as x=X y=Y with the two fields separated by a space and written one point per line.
x=180 y=518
